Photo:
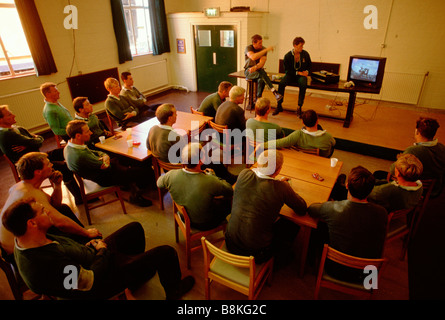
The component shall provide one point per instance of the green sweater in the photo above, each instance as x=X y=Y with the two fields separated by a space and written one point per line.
x=85 y=162
x=307 y=140
x=159 y=141
x=18 y=136
x=42 y=268
x=134 y=96
x=265 y=130
x=118 y=107
x=394 y=197
x=96 y=126
x=210 y=104
x=57 y=117
x=196 y=192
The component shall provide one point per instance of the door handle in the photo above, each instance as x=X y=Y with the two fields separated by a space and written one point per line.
x=214 y=57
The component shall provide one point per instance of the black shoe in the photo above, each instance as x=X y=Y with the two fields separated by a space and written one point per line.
x=185 y=285
x=278 y=96
x=140 y=201
x=277 y=111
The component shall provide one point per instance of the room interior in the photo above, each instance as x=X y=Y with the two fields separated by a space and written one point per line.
x=333 y=31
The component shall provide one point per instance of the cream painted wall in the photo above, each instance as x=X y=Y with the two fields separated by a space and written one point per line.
x=412 y=31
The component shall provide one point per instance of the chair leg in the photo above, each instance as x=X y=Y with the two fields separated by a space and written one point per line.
x=188 y=253
x=207 y=288
x=121 y=199
x=87 y=212
x=161 y=199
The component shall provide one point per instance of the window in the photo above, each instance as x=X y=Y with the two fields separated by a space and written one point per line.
x=137 y=17
x=15 y=57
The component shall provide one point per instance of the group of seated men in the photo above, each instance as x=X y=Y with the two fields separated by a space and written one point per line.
x=44 y=229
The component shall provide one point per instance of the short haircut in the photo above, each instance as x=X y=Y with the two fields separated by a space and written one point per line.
x=78 y=103
x=74 y=127
x=360 y=182
x=261 y=106
x=270 y=161
x=256 y=37
x=46 y=87
x=297 y=41
x=15 y=219
x=29 y=163
x=190 y=154
x=409 y=166
x=235 y=92
x=124 y=75
x=310 y=118
x=110 y=83
x=223 y=86
x=164 y=111
x=427 y=127
x=3 y=107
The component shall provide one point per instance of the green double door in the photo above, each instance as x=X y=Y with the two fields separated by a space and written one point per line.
x=215 y=48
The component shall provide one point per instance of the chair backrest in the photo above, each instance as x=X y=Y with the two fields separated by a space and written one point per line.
x=181 y=212
x=13 y=168
x=401 y=228
x=196 y=111
x=60 y=142
x=167 y=166
x=332 y=254
x=14 y=280
x=218 y=127
x=428 y=186
x=314 y=151
x=110 y=121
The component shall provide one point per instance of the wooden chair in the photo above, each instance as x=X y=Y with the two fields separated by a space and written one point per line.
x=19 y=289
x=182 y=221
x=196 y=111
x=159 y=167
x=239 y=273
x=399 y=226
x=13 y=168
x=327 y=281
x=314 y=151
x=224 y=135
x=428 y=186
x=91 y=190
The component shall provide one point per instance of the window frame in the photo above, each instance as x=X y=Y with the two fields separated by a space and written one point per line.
x=12 y=73
x=129 y=8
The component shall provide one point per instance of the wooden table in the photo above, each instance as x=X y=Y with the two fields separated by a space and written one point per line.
x=185 y=123
x=299 y=166
x=335 y=87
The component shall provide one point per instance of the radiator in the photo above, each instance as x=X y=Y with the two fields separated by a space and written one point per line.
x=403 y=87
x=149 y=77
x=27 y=107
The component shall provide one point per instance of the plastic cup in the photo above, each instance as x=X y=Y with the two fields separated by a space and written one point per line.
x=130 y=143
x=102 y=139
x=334 y=162
x=129 y=131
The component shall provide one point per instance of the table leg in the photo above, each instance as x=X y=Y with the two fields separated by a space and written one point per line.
x=350 y=110
x=305 y=235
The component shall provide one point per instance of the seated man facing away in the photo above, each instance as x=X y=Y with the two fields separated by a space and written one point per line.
x=430 y=152
x=57 y=266
x=161 y=137
x=405 y=191
x=134 y=95
x=311 y=136
x=197 y=190
x=354 y=226
x=34 y=168
x=84 y=111
x=255 y=227
x=119 y=107
x=96 y=165
x=16 y=141
x=230 y=113
x=210 y=104
x=56 y=115
x=266 y=130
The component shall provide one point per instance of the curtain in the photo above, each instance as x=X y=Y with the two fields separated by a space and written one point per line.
x=159 y=27
x=36 y=38
x=120 y=31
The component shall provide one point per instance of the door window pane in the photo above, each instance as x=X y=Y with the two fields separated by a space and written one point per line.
x=227 y=38
x=204 y=38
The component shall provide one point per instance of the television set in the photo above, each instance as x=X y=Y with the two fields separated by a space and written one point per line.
x=366 y=71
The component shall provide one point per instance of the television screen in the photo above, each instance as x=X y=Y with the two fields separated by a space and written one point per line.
x=364 y=69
